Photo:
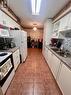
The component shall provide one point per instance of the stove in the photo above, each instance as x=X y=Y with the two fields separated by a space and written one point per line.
x=4 y=55
x=6 y=66
x=6 y=70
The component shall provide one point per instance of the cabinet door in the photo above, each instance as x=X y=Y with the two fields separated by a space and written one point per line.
x=55 y=65
x=7 y=21
x=64 y=80
x=16 y=58
x=46 y=54
x=56 y=26
x=61 y=24
x=1 y=17
x=69 y=22
x=64 y=23
x=23 y=53
x=49 y=58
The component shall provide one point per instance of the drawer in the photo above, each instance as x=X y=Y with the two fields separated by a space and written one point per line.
x=16 y=57
x=16 y=52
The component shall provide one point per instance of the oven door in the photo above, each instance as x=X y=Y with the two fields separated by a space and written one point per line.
x=5 y=70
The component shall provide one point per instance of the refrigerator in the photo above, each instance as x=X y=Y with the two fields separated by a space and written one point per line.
x=20 y=40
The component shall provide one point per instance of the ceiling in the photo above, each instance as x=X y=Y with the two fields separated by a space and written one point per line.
x=22 y=8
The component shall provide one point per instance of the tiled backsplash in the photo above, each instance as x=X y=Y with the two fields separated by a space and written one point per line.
x=67 y=44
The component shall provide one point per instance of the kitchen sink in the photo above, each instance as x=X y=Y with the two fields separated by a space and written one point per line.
x=61 y=53
x=64 y=55
x=54 y=48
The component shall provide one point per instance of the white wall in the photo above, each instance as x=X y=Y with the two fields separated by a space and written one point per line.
x=35 y=34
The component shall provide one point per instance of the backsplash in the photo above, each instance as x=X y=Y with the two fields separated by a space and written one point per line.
x=6 y=43
x=67 y=44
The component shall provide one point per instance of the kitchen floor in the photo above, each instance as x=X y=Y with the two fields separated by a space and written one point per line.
x=33 y=77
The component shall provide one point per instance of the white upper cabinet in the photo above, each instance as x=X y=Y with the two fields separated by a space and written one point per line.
x=56 y=26
x=69 y=22
x=56 y=33
x=65 y=23
x=5 y=20
x=62 y=27
x=1 y=18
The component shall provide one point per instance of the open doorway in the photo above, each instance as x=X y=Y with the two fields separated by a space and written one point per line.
x=34 y=38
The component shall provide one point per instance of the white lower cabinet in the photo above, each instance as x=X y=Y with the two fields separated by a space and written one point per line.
x=49 y=58
x=60 y=71
x=46 y=54
x=64 y=80
x=55 y=64
x=16 y=58
x=8 y=81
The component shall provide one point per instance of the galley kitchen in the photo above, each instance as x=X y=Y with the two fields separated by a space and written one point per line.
x=35 y=47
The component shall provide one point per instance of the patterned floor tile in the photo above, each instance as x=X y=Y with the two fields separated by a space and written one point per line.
x=33 y=77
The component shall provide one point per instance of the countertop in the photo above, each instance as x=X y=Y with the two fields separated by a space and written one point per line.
x=10 y=50
x=66 y=61
x=2 y=58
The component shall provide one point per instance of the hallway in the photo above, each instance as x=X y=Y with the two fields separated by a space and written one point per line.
x=33 y=77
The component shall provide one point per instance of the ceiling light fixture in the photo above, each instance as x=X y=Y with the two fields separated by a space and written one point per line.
x=36 y=4
x=34 y=28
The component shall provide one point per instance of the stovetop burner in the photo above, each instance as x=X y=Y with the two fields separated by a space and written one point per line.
x=3 y=54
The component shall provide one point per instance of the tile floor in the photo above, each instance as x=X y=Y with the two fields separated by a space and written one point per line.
x=33 y=77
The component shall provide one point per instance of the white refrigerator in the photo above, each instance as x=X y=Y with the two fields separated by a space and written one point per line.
x=20 y=40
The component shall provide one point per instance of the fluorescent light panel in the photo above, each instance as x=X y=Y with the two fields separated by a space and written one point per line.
x=38 y=4
x=35 y=6
x=33 y=2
